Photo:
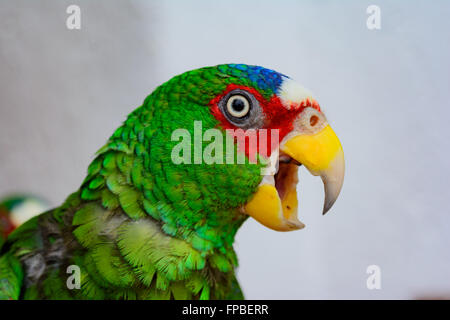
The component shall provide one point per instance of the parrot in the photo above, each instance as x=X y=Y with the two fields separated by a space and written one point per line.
x=16 y=209
x=146 y=225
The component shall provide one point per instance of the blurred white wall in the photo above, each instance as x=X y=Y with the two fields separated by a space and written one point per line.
x=385 y=92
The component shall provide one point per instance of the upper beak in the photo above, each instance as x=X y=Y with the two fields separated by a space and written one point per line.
x=323 y=156
x=321 y=153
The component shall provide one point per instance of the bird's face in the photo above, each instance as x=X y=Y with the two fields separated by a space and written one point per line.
x=16 y=210
x=289 y=129
x=303 y=137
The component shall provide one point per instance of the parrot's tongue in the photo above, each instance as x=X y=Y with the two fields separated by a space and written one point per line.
x=286 y=178
x=275 y=201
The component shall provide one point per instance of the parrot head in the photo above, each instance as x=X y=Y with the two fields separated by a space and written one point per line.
x=187 y=171
x=16 y=209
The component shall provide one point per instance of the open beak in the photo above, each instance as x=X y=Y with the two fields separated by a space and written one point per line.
x=275 y=203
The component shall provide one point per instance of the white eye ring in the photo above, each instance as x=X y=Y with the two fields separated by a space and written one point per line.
x=238 y=101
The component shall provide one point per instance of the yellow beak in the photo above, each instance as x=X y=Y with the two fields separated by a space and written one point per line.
x=275 y=202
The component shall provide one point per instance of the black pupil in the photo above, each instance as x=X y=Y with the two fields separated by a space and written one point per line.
x=238 y=105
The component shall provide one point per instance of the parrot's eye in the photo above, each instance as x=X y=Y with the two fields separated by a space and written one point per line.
x=242 y=109
x=238 y=106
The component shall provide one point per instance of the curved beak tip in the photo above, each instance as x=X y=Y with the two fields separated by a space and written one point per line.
x=326 y=207
x=333 y=179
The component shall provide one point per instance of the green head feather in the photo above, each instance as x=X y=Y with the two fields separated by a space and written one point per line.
x=195 y=202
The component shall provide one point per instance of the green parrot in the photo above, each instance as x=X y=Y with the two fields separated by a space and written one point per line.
x=156 y=215
x=16 y=209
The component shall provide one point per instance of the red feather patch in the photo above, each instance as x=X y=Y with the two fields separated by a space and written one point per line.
x=276 y=114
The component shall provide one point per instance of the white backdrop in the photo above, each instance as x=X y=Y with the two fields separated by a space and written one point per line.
x=386 y=93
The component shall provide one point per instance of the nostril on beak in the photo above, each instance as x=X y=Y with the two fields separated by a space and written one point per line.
x=313 y=120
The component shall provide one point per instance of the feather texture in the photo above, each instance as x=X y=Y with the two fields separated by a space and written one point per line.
x=141 y=226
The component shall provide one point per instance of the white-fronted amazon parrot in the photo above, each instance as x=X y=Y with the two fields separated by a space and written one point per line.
x=144 y=227
x=17 y=209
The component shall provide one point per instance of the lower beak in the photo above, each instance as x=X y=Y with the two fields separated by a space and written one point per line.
x=275 y=201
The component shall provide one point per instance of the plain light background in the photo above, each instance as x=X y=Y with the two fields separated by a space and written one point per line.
x=385 y=92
